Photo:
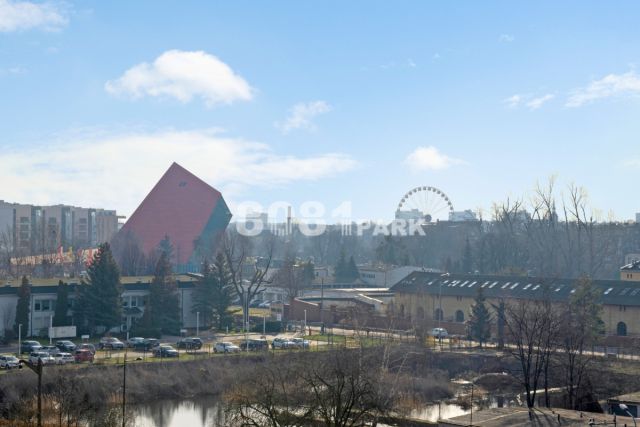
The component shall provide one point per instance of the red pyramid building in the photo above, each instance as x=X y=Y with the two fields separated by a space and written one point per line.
x=184 y=208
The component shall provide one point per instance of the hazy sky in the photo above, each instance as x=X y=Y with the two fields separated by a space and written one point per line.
x=322 y=101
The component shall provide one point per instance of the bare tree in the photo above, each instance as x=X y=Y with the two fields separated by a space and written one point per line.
x=236 y=250
x=531 y=331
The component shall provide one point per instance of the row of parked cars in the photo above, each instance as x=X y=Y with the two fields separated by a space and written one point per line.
x=63 y=352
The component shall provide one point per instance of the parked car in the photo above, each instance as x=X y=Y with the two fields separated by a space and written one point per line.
x=51 y=349
x=148 y=344
x=87 y=346
x=83 y=355
x=45 y=357
x=439 y=333
x=192 y=343
x=110 y=343
x=29 y=346
x=225 y=347
x=9 y=362
x=255 y=345
x=63 y=358
x=131 y=342
x=165 y=350
x=300 y=343
x=282 y=343
x=66 y=346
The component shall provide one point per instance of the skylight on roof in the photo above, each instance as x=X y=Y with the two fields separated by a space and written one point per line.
x=535 y=287
x=607 y=291
x=493 y=284
x=514 y=285
x=526 y=287
x=484 y=285
x=472 y=284
x=505 y=285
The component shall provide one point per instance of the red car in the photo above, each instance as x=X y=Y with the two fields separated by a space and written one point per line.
x=83 y=355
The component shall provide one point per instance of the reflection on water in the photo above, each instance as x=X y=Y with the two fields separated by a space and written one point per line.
x=210 y=413
x=200 y=413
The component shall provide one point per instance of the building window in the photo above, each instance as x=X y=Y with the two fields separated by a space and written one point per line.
x=43 y=305
x=459 y=316
x=438 y=315
x=621 y=329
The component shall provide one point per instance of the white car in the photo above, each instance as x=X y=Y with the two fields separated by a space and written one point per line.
x=45 y=357
x=226 y=347
x=63 y=358
x=9 y=362
x=300 y=343
x=282 y=343
x=439 y=333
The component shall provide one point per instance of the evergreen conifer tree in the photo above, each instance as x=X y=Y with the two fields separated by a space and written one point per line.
x=100 y=297
x=60 y=317
x=163 y=298
x=23 y=307
x=480 y=320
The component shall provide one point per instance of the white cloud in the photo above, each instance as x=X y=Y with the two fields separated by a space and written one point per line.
x=536 y=103
x=513 y=101
x=183 y=75
x=429 y=158
x=633 y=163
x=302 y=114
x=25 y=15
x=506 y=38
x=529 y=101
x=608 y=86
x=117 y=171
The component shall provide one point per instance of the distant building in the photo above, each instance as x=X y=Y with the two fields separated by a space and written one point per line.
x=383 y=276
x=631 y=271
x=430 y=297
x=638 y=217
x=44 y=294
x=187 y=210
x=461 y=216
x=31 y=229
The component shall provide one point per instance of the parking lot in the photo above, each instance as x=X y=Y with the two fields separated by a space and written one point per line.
x=166 y=349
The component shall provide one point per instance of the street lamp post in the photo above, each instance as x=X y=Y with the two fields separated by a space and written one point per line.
x=19 y=338
x=197 y=323
x=304 y=331
x=440 y=308
x=124 y=389
x=625 y=408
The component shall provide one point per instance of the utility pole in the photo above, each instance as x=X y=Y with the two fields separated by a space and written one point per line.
x=19 y=339
x=197 y=323
x=124 y=389
x=37 y=368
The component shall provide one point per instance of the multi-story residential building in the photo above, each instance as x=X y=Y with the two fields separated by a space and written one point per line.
x=31 y=230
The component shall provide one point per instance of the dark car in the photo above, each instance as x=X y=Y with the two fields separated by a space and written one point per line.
x=66 y=346
x=192 y=343
x=148 y=344
x=30 y=346
x=165 y=350
x=255 y=345
x=83 y=355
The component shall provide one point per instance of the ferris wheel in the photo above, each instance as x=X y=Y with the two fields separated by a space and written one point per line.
x=424 y=203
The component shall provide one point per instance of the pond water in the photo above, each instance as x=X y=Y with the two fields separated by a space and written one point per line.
x=210 y=413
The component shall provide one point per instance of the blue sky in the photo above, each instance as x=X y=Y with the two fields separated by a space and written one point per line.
x=321 y=101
